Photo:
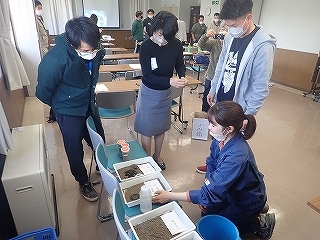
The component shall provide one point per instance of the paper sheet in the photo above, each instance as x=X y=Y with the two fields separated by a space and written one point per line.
x=173 y=222
x=154 y=185
x=101 y=88
x=146 y=168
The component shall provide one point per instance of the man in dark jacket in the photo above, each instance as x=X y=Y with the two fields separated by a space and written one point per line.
x=67 y=76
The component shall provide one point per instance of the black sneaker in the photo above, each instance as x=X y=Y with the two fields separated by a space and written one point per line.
x=268 y=220
x=88 y=192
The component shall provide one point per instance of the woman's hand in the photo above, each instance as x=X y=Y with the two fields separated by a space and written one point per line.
x=161 y=196
x=178 y=82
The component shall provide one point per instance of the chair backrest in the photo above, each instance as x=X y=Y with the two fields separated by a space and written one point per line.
x=109 y=181
x=96 y=139
x=129 y=75
x=105 y=77
x=115 y=100
x=128 y=61
x=176 y=92
x=119 y=215
x=108 y=51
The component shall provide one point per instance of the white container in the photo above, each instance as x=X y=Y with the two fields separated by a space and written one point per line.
x=172 y=206
x=154 y=166
x=145 y=199
x=191 y=236
x=137 y=180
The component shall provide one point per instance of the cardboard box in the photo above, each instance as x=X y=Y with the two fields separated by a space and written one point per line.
x=200 y=126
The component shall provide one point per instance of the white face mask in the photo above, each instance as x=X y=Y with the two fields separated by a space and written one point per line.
x=150 y=16
x=216 y=20
x=87 y=55
x=159 y=40
x=38 y=12
x=237 y=32
x=200 y=22
x=219 y=136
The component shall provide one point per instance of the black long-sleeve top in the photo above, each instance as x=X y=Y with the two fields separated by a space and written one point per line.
x=157 y=63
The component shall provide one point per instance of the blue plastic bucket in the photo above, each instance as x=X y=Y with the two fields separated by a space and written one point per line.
x=217 y=227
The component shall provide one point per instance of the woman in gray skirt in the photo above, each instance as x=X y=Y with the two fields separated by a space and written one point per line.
x=159 y=55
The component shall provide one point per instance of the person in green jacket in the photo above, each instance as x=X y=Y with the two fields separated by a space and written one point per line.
x=67 y=76
x=137 y=31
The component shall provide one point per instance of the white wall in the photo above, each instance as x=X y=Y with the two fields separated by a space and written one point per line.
x=214 y=8
x=294 y=23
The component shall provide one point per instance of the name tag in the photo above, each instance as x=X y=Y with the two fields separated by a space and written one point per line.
x=154 y=64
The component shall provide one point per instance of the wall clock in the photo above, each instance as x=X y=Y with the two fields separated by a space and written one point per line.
x=208 y=11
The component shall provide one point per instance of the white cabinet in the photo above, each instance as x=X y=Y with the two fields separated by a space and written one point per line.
x=28 y=182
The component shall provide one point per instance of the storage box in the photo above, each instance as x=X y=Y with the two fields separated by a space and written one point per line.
x=153 y=168
x=190 y=236
x=200 y=126
x=137 y=180
x=172 y=206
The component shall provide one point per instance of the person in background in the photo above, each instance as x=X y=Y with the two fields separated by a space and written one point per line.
x=94 y=18
x=137 y=31
x=245 y=64
x=233 y=186
x=43 y=43
x=147 y=23
x=67 y=76
x=42 y=31
x=182 y=33
x=198 y=29
x=217 y=25
x=159 y=56
x=214 y=46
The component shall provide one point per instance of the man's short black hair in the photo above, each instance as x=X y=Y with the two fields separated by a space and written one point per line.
x=150 y=10
x=167 y=22
x=201 y=16
x=94 y=18
x=37 y=3
x=233 y=9
x=216 y=14
x=139 y=13
x=82 y=29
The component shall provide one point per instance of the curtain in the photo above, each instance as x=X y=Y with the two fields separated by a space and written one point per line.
x=136 y=5
x=13 y=71
x=5 y=134
x=60 y=11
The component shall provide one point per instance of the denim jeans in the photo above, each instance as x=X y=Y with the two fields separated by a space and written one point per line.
x=74 y=130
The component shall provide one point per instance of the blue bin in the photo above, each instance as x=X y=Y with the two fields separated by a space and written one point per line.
x=43 y=234
x=217 y=227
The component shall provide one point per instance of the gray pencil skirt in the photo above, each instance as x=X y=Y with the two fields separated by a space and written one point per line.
x=153 y=111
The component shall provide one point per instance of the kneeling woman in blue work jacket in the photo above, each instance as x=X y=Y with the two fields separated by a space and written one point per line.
x=233 y=186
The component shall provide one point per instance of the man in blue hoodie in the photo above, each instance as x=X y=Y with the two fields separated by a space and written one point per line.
x=245 y=64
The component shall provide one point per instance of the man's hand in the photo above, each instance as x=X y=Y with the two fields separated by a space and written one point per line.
x=210 y=99
x=210 y=33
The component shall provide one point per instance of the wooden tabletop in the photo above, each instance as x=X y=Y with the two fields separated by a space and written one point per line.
x=117 y=68
x=121 y=56
x=127 y=85
x=315 y=204
x=107 y=44
x=118 y=49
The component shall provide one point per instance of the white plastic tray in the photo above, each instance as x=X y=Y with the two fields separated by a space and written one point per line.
x=138 y=161
x=172 y=206
x=137 y=180
x=190 y=236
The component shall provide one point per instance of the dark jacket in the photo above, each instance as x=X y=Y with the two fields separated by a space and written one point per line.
x=64 y=81
x=232 y=178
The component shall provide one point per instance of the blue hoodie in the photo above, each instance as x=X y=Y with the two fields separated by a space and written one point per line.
x=254 y=71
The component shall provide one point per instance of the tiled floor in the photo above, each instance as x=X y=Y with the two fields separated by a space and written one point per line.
x=286 y=145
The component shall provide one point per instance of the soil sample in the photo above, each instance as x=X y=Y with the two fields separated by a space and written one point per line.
x=153 y=229
x=132 y=193
x=129 y=171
